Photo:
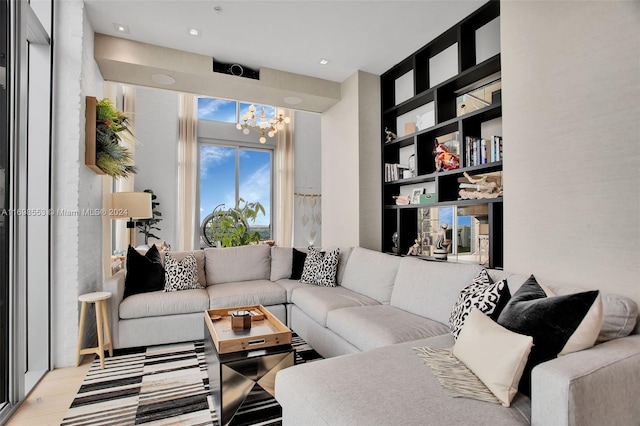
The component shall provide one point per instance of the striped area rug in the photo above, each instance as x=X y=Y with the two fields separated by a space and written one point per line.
x=161 y=385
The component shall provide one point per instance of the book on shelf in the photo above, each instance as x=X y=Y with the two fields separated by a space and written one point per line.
x=480 y=151
x=393 y=171
x=496 y=148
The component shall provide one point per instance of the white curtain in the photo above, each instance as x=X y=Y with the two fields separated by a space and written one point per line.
x=187 y=171
x=284 y=185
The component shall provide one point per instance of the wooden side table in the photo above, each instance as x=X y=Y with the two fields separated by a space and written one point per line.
x=102 y=324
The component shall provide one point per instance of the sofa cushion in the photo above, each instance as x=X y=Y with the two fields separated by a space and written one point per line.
x=198 y=254
x=430 y=289
x=233 y=264
x=496 y=355
x=159 y=303
x=144 y=272
x=368 y=327
x=371 y=273
x=256 y=292
x=289 y=285
x=320 y=267
x=483 y=294
x=558 y=325
x=316 y=301
x=281 y=261
x=398 y=388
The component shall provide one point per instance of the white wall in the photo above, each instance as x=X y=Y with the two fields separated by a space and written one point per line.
x=340 y=169
x=370 y=172
x=157 y=154
x=307 y=179
x=571 y=79
x=351 y=168
x=77 y=240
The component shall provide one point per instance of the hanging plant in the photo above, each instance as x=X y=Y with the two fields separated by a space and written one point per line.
x=111 y=156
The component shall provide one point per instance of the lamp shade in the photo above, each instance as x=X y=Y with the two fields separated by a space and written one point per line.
x=131 y=205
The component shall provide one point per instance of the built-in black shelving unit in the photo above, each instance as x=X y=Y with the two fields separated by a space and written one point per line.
x=418 y=86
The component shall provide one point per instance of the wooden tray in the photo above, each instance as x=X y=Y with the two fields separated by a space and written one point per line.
x=262 y=334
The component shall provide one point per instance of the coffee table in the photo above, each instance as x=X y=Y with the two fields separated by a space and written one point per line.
x=242 y=364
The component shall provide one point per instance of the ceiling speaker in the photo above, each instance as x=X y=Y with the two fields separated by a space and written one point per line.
x=235 y=69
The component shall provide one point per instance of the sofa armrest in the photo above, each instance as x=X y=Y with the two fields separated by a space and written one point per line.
x=592 y=387
x=115 y=285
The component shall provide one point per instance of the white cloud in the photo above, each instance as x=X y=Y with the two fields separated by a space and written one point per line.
x=257 y=188
x=208 y=109
x=213 y=155
x=210 y=106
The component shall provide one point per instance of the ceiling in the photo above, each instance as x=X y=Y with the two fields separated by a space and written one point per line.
x=291 y=35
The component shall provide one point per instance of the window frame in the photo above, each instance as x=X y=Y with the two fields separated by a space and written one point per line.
x=239 y=146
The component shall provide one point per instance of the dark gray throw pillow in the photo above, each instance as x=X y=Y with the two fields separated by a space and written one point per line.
x=145 y=273
x=551 y=321
x=298 y=264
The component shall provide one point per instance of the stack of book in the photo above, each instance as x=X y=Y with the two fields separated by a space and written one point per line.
x=482 y=151
x=393 y=172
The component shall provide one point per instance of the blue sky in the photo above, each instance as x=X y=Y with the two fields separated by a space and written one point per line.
x=445 y=215
x=217 y=166
x=217 y=179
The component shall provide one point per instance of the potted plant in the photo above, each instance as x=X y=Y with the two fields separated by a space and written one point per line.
x=147 y=226
x=112 y=157
x=230 y=227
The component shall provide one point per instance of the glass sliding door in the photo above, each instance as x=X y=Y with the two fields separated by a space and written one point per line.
x=25 y=129
x=4 y=204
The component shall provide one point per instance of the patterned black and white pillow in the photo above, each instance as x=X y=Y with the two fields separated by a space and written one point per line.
x=319 y=268
x=489 y=297
x=180 y=275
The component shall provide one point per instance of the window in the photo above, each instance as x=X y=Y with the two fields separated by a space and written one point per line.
x=233 y=167
x=231 y=173
x=217 y=110
x=225 y=111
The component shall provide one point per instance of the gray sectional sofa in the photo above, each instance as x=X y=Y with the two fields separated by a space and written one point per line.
x=383 y=307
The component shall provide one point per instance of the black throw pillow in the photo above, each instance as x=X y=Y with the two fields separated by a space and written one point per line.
x=144 y=273
x=298 y=264
x=551 y=321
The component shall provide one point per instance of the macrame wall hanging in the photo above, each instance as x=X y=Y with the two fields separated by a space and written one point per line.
x=308 y=215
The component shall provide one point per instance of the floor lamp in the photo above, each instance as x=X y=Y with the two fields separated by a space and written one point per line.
x=131 y=206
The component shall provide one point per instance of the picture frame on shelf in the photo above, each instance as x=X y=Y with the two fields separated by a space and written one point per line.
x=415 y=195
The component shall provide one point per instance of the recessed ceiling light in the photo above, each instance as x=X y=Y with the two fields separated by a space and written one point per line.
x=217 y=9
x=121 y=28
x=323 y=61
x=292 y=100
x=194 y=32
x=164 y=79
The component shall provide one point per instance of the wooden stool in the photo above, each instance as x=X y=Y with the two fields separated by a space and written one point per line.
x=102 y=323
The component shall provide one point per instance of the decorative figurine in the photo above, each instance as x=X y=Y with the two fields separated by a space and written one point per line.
x=442 y=244
x=414 y=249
x=390 y=135
x=394 y=240
x=479 y=188
x=445 y=160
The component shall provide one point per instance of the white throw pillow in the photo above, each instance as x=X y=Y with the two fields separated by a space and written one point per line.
x=494 y=354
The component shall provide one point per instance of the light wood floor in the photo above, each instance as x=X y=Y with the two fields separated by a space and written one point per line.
x=49 y=401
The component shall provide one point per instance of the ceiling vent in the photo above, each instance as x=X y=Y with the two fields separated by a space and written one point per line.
x=235 y=69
